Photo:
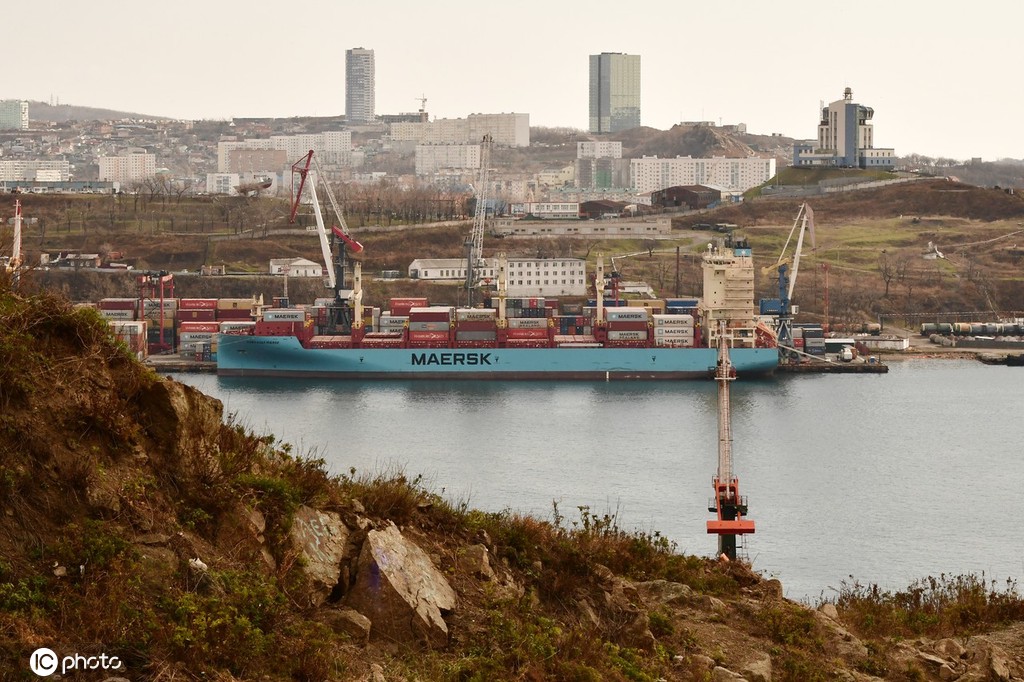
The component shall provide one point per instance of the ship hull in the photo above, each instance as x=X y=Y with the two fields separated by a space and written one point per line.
x=284 y=356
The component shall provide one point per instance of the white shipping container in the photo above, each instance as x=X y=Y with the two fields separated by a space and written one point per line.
x=626 y=314
x=673 y=331
x=627 y=336
x=154 y=304
x=673 y=342
x=195 y=337
x=284 y=315
x=475 y=314
x=393 y=320
x=673 y=320
x=236 y=326
x=124 y=315
x=528 y=323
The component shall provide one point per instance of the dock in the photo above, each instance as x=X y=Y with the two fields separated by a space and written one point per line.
x=170 y=363
x=833 y=368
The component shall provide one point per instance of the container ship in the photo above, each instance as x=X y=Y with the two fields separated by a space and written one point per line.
x=513 y=338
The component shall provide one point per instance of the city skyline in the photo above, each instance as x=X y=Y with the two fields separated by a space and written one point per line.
x=936 y=79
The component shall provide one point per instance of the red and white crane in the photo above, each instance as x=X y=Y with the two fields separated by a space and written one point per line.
x=14 y=264
x=335 y=266
x=728 y=505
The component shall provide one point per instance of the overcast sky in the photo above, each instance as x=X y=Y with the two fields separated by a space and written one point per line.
x=942 y=77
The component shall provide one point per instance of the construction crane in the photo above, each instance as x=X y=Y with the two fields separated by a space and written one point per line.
x=787 y=268
x=475 y=243
x=337 y=243
x=727 y=503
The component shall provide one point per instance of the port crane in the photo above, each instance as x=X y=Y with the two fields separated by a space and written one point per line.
x=729 y=506
x=787 y=275
x=336 y=243
x=14 y=263
x=475 y=243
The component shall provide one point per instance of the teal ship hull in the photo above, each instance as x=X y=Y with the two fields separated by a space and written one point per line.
x=284 y=356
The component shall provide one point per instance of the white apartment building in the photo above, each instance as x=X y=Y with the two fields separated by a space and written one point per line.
x=507 y=130
x=332 y=148
x=21 y=170
x=430 y=158
x=133 y=166
x=598 y=150
x=222 y=183
x=650 y=173
x=13 y=114
x=527 y=277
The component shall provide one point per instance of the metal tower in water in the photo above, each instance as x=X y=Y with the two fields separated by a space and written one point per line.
x=729 y=506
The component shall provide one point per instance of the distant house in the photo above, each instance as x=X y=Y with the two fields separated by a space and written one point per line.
x=692 y=197
x=295 y=267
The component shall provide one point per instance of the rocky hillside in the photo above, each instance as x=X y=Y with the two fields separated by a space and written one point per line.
x=137 y=521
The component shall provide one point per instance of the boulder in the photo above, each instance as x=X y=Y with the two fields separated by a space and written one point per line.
x=829 y=611
x=949 y=648
x=240 y=535
x=352 y=623
x=759 y=670
x=400 y=590
x=720 y=674
x=475 y=560
x=665 y=592
x=319 y=537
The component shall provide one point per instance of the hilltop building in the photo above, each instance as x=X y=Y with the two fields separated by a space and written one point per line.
x=614 y=92
x=136 y=164
x=13 y=114
x=650 y=174
x=359 y=86
x=845 y=139
x=507 y=130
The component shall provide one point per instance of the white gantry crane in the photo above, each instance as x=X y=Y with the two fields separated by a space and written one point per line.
x=475 y=243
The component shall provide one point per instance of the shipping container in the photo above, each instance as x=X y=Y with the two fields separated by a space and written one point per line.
x=186 y=327
x=527 y=323
x=417 y=326
x=475 y=335
x=672 y=320
x=197 y=304
x=245 y=304
x=616 y=335
x=119 y=304
x=284 y=315
x=526 y=333
x=627 y=314
x=198 y=315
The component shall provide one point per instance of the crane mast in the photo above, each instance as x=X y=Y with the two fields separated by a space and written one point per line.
x=475 y=243
x=336 y=242
x=787 y=269
x=727 y=503
x=14 y=265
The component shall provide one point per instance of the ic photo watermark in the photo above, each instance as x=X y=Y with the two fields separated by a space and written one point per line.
x=45 y=662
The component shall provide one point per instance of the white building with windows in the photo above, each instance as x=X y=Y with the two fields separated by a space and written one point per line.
x=507 y=130
x=296 y=267
x=13 y=114
x=527 y=277
x=649 y=174
x=134 y=165
x=846 y=138
x=332 y=148
x=35 y=170
x=598 y=150
x=430 y=158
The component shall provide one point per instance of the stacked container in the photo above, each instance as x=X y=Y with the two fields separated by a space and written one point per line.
x=476 y=328
x=429 y=327
x=814 y=340
x=526 y=307
x=673 y=331
x=627 y=327
x=120 y=309
x=197 y=309
x=133 y=335
x=234 y=308
x=402 y=306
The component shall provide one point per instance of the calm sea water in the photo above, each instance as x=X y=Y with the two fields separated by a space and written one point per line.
x=886 y=478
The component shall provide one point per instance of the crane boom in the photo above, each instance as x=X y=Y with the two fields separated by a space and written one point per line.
x=475 y=243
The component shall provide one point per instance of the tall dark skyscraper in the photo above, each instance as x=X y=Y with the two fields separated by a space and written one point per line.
x=359 y=85
x=614 y=92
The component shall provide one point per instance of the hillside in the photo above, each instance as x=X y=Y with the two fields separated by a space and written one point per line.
x=64 y=113
x=138 y=523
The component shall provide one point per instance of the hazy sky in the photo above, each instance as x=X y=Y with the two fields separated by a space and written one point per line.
x=941 y=76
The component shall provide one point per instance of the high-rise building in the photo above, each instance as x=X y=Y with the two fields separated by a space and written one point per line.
x=614 y=92
x=13 y=114
x=359 y=86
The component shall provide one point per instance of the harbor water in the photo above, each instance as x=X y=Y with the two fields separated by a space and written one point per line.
x=885 y=478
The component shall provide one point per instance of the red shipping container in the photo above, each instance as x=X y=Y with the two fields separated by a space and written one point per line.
x=197 y=315
x=630 y=326
x=476 y=326
x=197 y=304
x=227 y=314
x=428 y=336
x=119 y=304
x=520 y=334
x=187 y=327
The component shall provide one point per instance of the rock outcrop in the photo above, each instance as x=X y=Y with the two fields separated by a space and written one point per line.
x=402 y=593
x=319 y=537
